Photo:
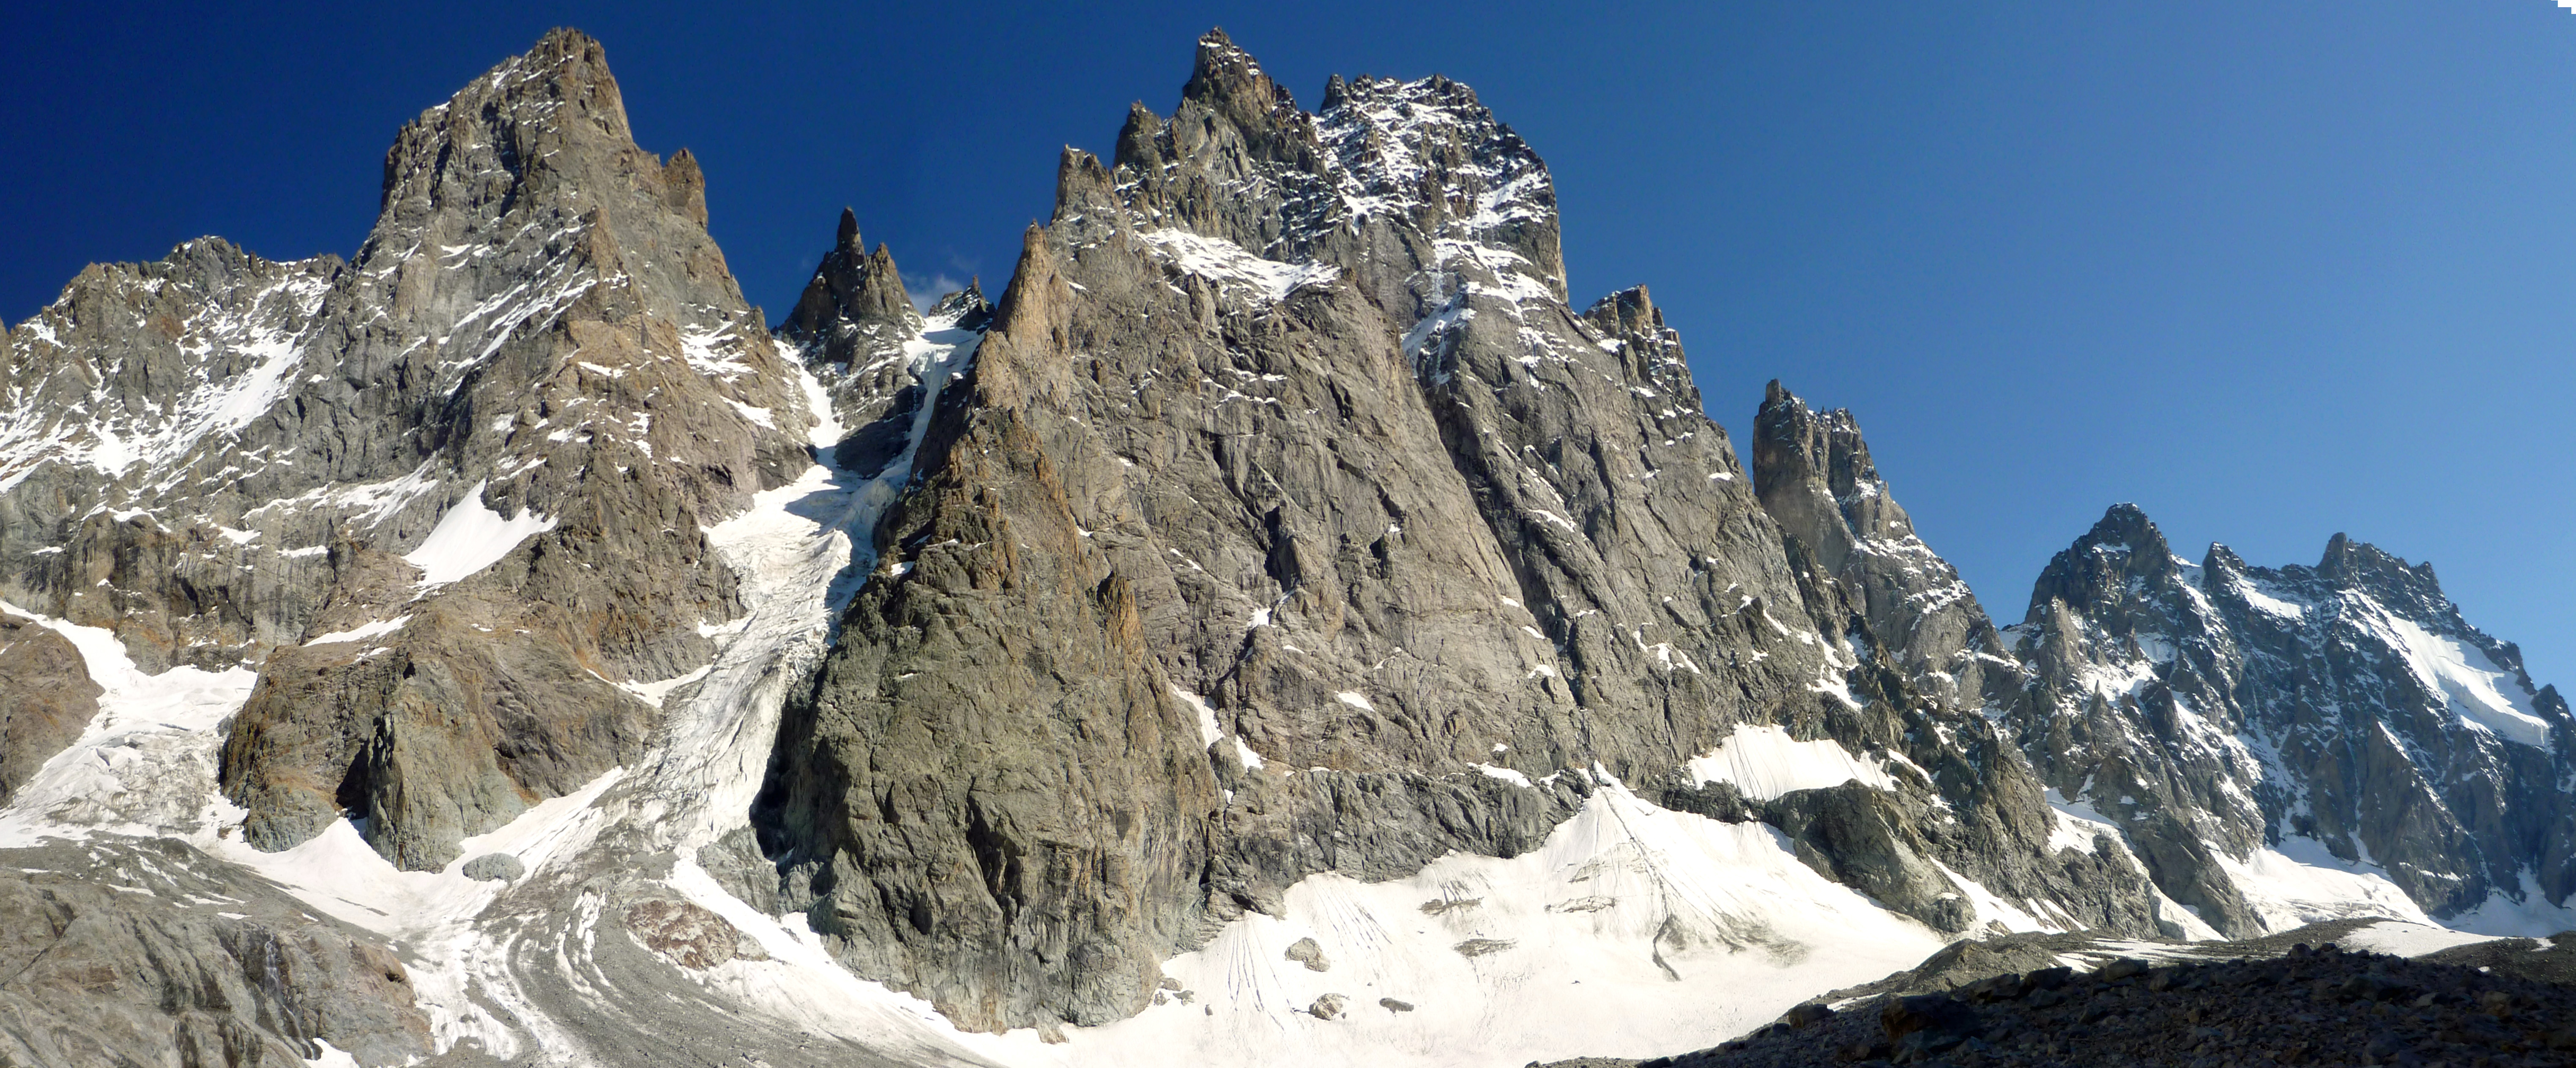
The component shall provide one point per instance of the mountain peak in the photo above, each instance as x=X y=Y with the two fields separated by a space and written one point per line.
x=1628 y=311
x=1813 y=474
x=855 y=304
x=2126 y=525
x=2411 y=588
x=1228 y=79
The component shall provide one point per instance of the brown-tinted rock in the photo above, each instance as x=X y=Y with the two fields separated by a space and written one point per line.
x=46 y=699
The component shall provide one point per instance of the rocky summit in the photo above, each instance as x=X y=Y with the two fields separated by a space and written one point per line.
x=1287 y=626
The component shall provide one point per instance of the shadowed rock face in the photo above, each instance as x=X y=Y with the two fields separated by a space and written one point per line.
x=1290 y=521
x=2217 y=708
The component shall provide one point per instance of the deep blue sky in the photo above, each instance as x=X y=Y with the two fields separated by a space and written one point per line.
x=2270 y=270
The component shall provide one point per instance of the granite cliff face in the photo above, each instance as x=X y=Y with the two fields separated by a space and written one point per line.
x=1289 y=521
x=496 y=647
x=1817 y=481
x=2223 y=715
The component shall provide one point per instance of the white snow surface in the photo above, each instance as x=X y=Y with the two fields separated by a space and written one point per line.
x=2399 y=938
x=1232 y=267
x=1634 y=931
x=2528 y=915
x=2300 y=882
x=2482 y=694
x=144 y=764
x=332 y=1057
x=1763 y=762
x=471 y=537
x=2257 y=595
x=360 y=632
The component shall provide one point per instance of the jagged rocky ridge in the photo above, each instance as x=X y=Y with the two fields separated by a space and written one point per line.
x=2219 y=713
x=1282 y=538
x=2239 y=729
x=1289 y=521
x=309 y=465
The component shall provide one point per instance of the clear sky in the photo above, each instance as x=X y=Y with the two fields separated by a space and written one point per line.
x=2271 y=270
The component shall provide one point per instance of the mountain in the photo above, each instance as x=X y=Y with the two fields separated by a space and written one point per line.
x=2289 y=745
x=1282 y=626
x=1302 y=533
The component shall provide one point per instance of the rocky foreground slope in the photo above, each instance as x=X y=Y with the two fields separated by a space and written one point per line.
x=1280 y=627
x=2504 y=1002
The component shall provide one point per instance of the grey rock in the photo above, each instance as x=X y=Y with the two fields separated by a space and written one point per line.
x=495 y=867
x=1815 y=478
x=2262 y=704
x=154 y=953
x=538 y=326
x=1329 y=1007
x=1286 y=414
x=854 y=313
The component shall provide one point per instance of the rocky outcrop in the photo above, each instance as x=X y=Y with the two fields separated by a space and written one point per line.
x=1290 y=521
x=445 y=496
x=145 y=953
x=1815 y=478
x=46 y=698
x=854 y=314
x=2213 y=710
x=2325 y=1005
x=862 y=338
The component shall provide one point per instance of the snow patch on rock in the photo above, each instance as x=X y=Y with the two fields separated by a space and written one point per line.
x=471 y=537
x=1763 y=762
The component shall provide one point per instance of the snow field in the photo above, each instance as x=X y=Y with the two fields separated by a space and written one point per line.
x=145 y=765
x=1763 y=762
x=471 y=537
x=2485 y=696
x=1634 y=931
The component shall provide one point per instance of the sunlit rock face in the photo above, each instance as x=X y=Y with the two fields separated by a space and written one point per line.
x=1281 y=626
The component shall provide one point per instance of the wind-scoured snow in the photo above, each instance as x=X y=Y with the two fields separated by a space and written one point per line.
x=1763 y=762
x=2484 y=695
x=1230 y=266
x=471 y=537
x=240 y=357
x=2266 y=600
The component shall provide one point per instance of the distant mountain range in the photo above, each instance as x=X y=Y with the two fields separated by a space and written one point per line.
x=1283 y=628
